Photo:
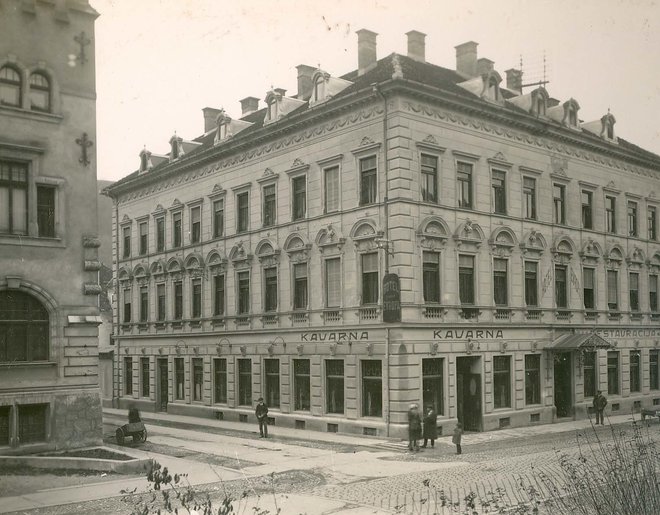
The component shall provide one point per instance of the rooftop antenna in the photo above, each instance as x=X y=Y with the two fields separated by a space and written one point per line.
x=542 y=79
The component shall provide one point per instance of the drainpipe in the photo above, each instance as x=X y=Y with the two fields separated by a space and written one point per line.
x=115 y=316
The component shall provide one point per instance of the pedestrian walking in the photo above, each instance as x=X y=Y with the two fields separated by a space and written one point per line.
x=456 y=438
x=430 y=425
x=261 y=411
x=600 y=401
x=414 y=428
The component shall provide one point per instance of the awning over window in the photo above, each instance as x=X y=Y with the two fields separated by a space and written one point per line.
x=579 y=341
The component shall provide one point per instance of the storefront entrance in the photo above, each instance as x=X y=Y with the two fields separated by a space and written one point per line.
x=563 y=384
x=162 y=382
x=468 y=392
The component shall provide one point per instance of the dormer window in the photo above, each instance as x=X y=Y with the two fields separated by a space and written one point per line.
x=319 y=88
x=272 y=109
x=10 y=87
x=607 y=123
x=175 y=144
x=223 y=122
x=572 y=117
x=145 y=161
x=493 y=87
x=279 y=105
x=571 y=108
x=325 y=87
x=39 y=92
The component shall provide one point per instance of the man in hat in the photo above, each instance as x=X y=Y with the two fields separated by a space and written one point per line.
x=600 y=401
x=261 y=411
x=414 y=427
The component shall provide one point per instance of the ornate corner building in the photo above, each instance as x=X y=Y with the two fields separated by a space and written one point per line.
x=250 y=259
x=49 y=394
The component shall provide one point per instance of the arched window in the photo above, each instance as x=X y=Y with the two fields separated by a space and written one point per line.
x=23 y=328
x=319 y=92
x=39 y=92
x=272 y=109
x=10 y=87
x=572 y=117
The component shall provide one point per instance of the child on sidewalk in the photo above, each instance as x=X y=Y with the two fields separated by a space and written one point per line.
x=456 y=439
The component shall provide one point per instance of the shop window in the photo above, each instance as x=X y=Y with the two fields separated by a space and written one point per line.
x=368 y=180
x=220 y=380
x=502 y=381
x=332 y=283
x=272 y=384
x=218 y=218
x=269 y=203
x=372 y=388
x=529 y=198
x=245 y=382
x=590 y=373
x=24 y=328
x=179 y=379
x=243 y=280
x=531 y=283
x=270 y=289
x=198 y=378
x=370 y=278
x=160 y=234
x=433 y=384
x=532 y=379
x=176 y=230
x=46 y=211
x=561 y=292
x=160 y=294
x=588 y=288
x=178 y=300
x=431 y=276
x=498 y=186
x=464 y=182
x=301 y=384
x=128 y=376
x=144 y=377
x=32 y=419
x=635 y=369
x=466 y=279
x=334 y=385
x=429 y=178
x=613 y=373
x=300 y=286
x=500 y=282
x=218 y=295
x=196 y=298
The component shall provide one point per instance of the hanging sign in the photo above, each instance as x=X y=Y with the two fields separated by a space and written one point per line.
x=391 y=298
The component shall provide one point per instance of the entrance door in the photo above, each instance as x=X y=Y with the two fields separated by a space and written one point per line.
x=162 y=392
x=563 y=384
x=468 y=392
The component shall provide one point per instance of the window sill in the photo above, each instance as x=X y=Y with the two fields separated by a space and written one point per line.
x=26 y=364
x=30 y=241
x=30 y=114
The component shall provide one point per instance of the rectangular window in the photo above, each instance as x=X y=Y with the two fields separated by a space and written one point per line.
x=529 y=197
x=178 y=300
x=587 y=209
x=242 y=211
x=635 y=369
x=268 y=208
x=143 y=244
x=198 y=378
x=176 y=230
x=500 y=282
x=13 y=197
x=334 y=385
x=561 y=293
x=632 y=219
x=589 y=370
x=502 y=381
x=332 y=283
x=245 y=382
x=431 y=276
x=531 y=283
x=196 y=298
x=144 y=303
x=368 y=184
x=301 y=384
x=498 y=184
x=127 y=305
x=633 y=288
x=195 y=224
x=32 y=419
x=610 y=214
x=372 y=388
x=532 y=379
x=45 y=211
x=653 y=293
x=128 y=376
x=160 y=234
x=220 y=380
x=160 y=294
x=612 y=290
x=466 y=279
x=559 y=203
x=370 y=278
x=144 y=376
x=218 y=218
x=331 y=184
x=218 y=295
x=300 y=286
x=433 y=384
x=588 y=288
x=652 y=223
x=613 y=373
x=299 y=186
x=270 y=289
x=243 y=280
x=179 y=379
x=653 y=369
x=464 y=180
x=429 y=178
x=4 y=426
x=126 y=232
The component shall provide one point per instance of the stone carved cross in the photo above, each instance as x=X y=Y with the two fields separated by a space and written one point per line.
x=83 y=41
x=84 y=145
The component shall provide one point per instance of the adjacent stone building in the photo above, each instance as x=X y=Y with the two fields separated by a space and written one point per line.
x=251 y=259
x=49 y=394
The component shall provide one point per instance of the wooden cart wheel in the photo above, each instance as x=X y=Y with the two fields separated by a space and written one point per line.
x=144 y=434
x=119 y=436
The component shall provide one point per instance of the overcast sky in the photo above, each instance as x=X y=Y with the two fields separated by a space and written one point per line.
x=159 y=62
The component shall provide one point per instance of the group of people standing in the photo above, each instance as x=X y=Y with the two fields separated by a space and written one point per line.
x=426 y=426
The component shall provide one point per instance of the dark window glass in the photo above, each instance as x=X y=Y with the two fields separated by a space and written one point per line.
x=589 y=370
x=13 y=197
x=464 y=179
x=245 y=382
x=632 y=219
x=612 y=290
x=529 y=193
x=370 y=278
x=10 y=87
x=300 y=286
x=429 y=178
x=46 y=211
x=368 y=184
x=160 y=293
x=243 y=292
x=32 y=420
x=218 y=295
x=635 y=379
x=220 y=380
x=178 y=300
x=4 y=426
x=466 y=279
x=431 y=276
x=653 y=293
x=195 y=224
x=372 y=388
x=144 y=236
x=500 y=282
x=270 y=289
x=126 y=231
x=299 y=186
x=301 y=384
x=588 y=290
x=561 y=293
x=610 y=214
x=533 y=379
x=144 y=376
x=179 y=379
x=499 y=192
x=633 y=288
x=502 y=381
x=653 y=369
x=127 y=305
x=196 y=298
x=24 y=328
x=243 y=211
x=587 y=210
x=218 y=218
x=559 y=203
x=269 y=205
x=128 y=376
x=198 y=378
x=613 y=373
x=160 y=234
x=652 y=223
x=176 y=230
x=144 y=303
x=433 y=384
x=531 y=283
x=334 y=385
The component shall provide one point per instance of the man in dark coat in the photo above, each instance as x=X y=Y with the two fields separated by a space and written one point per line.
x=600 y=401
x=430 y=425
x=414 y=428
x=261 y=411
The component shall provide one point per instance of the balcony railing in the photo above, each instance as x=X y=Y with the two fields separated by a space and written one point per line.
x=503 y=314
x=563 y=315
x=300 y=318
x=369 y=314
x=331 y=316
x=433 y=312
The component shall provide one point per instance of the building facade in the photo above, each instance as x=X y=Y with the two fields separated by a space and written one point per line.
x=49 y=395
x=250 y=260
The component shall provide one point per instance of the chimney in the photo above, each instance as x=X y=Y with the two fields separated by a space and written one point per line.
x=466 y=58
x=416 y=46
x=305 y=85
x=210 y=115
x=280 y=91
x=249 y=105
x=485 y=65
x=514 y=80
x=366 y=50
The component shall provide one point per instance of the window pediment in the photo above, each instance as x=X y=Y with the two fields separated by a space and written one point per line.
x=216 y=262
x=433 y=233
x=297 y=249
x=328 y=240
x=563 y=249
x=239 y=256
x=469 y=235
x=614 y=257
x=533 y=244
x=502 y=241
x=591 y=252
x=364 y=235
x=636 y=258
